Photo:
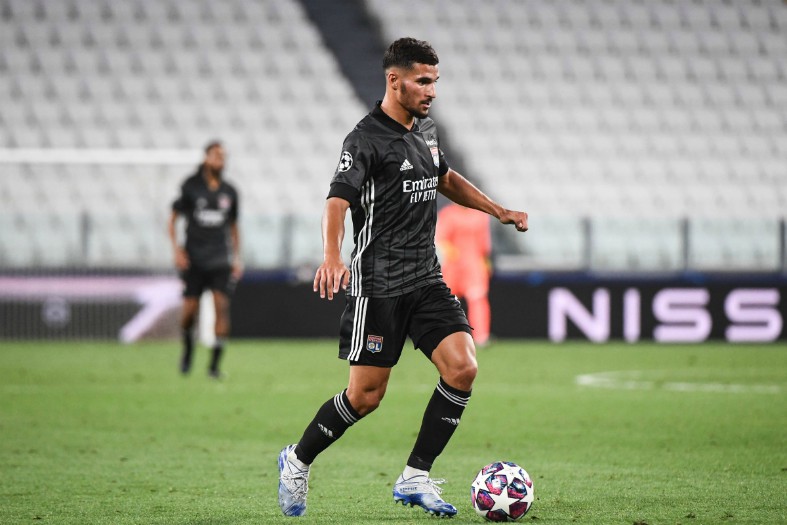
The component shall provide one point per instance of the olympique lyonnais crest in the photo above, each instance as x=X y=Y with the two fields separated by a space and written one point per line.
x=374 y=343
x=434 y=150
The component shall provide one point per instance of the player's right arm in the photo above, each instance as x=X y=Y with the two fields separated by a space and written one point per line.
x=181 y=257
x=344 y=193
x=332 y=273
x=460 y=190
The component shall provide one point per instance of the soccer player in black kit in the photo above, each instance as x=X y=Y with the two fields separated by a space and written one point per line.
x=210 y=258
x=388 y=176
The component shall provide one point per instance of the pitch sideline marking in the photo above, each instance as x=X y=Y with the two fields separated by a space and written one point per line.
x=633 y=380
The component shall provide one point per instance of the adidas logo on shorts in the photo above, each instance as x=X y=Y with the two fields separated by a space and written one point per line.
x=406 y=165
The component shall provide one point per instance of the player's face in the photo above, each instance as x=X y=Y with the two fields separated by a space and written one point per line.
x=417 y=89
x=214 y=159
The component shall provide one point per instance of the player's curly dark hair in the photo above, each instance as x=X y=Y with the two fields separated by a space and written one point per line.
x=212 y=144
x=408 y=51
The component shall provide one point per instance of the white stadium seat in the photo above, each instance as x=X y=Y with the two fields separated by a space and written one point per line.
x=640 y=107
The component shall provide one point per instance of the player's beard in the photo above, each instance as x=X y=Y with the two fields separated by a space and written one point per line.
x=414 y=111
x=219 y=173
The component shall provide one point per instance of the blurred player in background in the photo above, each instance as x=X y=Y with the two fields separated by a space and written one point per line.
x=388 y=176
x=464 y=241
x=210 y=258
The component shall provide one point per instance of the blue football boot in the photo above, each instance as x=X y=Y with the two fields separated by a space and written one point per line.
x=424 y=492
x=293 y=484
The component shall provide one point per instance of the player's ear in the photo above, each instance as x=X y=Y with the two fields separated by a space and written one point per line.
x=393 y=79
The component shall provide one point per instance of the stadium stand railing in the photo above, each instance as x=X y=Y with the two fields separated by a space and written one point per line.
x=631 y=114
x=641 y=136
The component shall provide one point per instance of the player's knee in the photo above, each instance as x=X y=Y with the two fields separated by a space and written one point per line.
x=462 y=375
x=366 y=401
x=187 y=320
x=189 y=313
x=222 y=327
x=368 y=406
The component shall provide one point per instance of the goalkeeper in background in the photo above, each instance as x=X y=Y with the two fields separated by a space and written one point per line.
x=464 y=243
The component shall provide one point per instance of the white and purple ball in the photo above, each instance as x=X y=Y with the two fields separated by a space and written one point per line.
x=502 y=491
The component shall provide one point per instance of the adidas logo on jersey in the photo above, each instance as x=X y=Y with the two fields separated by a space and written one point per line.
x=406 y=165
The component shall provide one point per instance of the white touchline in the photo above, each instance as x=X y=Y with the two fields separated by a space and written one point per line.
x=634 y=380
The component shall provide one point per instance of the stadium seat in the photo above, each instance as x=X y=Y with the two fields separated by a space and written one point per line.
x=626 y=105
x=143 y=60
x=734 y=244
x=553 y=242
x=674 y=99
x=263 y=239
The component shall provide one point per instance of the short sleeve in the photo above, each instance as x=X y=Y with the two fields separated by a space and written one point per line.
x=343 y=191
x=233 y=214
x=181 y=204
x=444 y=167
x=354 y=163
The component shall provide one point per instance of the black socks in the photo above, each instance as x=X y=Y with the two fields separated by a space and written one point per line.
x=440 y=420
x=188 y=354
x=215 y=358
x=332 y=420
x=188 y=351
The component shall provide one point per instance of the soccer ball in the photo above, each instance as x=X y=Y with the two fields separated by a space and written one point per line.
x=502 y=491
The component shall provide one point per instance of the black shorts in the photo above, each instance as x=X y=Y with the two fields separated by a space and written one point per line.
x=373 y=330
x=197 y=280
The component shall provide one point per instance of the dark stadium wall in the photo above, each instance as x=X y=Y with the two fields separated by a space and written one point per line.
x=564 y=307
x=262 y=308
x=556 y=307
x=676 y=311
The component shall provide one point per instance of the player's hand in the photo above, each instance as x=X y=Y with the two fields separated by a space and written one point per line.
x=517 y=218
x=182 y=261
x=330 y=276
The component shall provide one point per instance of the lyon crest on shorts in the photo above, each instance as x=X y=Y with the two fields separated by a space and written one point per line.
x=374 y=343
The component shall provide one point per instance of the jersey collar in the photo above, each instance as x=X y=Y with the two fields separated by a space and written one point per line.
x=388 y=122
x=204 y=180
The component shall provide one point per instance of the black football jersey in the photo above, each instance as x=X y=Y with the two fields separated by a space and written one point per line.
x=209 y=215
x=389 y=174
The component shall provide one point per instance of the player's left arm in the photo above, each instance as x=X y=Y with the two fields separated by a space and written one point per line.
x=237 y=263
x=181 y=257
x=463 y=192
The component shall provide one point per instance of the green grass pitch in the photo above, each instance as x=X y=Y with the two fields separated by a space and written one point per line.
x=96 y=433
